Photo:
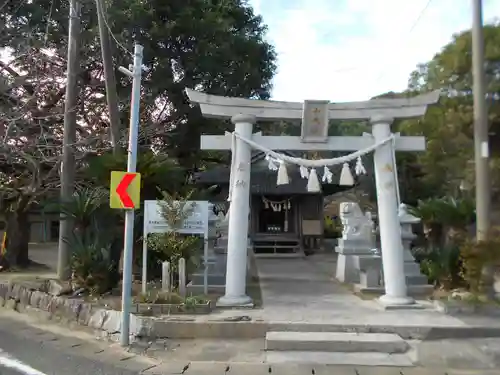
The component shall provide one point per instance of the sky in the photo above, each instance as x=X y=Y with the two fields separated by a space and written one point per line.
x=350 y=50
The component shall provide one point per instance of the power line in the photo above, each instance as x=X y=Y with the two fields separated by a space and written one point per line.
x=105 y=19
x=6 y=2
x=49 y=20
x=413 y=27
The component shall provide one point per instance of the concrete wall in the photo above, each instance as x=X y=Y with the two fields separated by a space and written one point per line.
x=43 y=227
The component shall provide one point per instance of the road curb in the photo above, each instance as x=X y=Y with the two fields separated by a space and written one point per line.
x=255 y=330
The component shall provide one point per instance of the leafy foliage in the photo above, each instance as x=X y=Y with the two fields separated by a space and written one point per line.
x=476 y=256
x=85 y=205
x=158 y=296
x=153 y=169
x=333 y=227
x=445 y=222
x=456 y=213
x=441 y=265
x=171 y=247
x=91 y=262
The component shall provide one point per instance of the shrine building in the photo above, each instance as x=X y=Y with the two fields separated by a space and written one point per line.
x=284 y=219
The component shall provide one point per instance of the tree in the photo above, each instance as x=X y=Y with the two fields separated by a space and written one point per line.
x=448 y=160
x=223 y=52
x=31 y=110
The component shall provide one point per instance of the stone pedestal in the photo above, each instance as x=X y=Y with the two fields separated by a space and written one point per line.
x=370 y=275
x=355 y=248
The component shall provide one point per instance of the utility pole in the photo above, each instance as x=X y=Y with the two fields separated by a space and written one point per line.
x=128 y=246
x=481 y=136
x=109 y=76
x=69 y=137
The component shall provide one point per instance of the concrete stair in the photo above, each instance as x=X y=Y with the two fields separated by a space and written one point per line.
x=346 y=342
x=338 y=348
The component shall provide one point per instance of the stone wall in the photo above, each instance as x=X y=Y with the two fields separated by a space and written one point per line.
x=38 y=298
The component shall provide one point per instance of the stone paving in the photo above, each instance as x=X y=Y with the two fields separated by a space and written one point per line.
x=303 y=290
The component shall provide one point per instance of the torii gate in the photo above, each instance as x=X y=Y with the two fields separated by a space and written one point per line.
x=315 y=116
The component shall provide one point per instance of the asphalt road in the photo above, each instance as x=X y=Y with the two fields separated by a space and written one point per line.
x=30 y=349
x=25 y=350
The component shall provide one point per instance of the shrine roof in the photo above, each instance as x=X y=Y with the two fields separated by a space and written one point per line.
x=263 y=180
x=220 y=174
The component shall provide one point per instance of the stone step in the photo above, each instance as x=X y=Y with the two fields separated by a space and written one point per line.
x=413 y=290
x=345 y=342
x=340 y=359
x=199 y=289
x=219 y=279
x=416 y=280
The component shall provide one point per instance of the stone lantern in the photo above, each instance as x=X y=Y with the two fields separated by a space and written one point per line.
x=416 y=281
x=212 y=222
x=222 y=232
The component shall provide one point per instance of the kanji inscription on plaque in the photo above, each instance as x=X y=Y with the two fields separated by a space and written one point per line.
x=315 y=121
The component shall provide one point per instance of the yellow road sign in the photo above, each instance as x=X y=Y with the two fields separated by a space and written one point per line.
x=125 y=190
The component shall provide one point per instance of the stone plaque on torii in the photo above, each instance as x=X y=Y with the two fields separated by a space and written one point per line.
x=315 y=116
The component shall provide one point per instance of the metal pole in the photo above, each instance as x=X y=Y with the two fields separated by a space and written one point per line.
x=129 y=214
x=481 y=144
x=481 y=148
x=69 y=137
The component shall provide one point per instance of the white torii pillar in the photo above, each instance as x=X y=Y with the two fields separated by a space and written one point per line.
x=391 y=242
x=380 y=112
x=239 y=210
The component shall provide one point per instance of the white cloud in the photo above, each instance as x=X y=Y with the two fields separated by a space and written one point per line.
x=347 y=50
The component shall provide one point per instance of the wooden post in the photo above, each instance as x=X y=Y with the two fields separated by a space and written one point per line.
x=165 y=276
x=69 y=137
x=182 y=277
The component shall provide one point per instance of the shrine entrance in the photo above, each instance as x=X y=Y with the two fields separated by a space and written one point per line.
x=275 y=215
x=275 y=222
x=315 y=116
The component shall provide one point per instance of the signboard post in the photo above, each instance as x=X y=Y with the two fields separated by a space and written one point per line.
x=195 y=223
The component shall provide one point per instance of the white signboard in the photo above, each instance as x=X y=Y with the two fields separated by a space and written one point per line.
x=195 y=223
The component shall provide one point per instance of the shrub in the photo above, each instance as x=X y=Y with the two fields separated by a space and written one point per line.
x=476 y=256
x=333 y=227
x=442 y=266
x=157 y=296
x=91 y=263
x=171 y=247
x=444 y=219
